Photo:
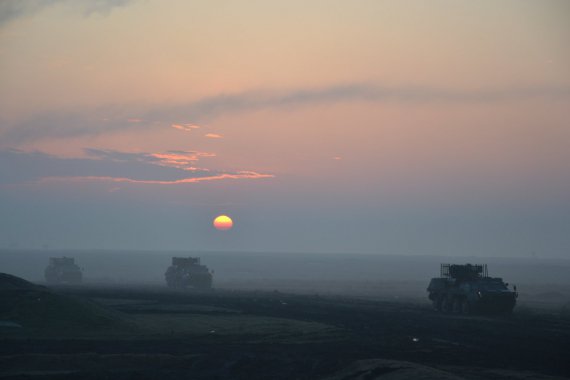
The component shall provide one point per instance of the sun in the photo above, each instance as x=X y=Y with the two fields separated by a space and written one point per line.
x=223 y=223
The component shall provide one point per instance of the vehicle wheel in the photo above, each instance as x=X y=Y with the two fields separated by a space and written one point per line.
x=465 y=307
x=456 y=306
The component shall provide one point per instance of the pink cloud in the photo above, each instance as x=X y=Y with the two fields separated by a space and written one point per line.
x=115 y=167
x=185 y=127
x=180 y=160
x=213 y=136
x=217 y=177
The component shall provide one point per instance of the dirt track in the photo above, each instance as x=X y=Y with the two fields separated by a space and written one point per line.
x=223 y=334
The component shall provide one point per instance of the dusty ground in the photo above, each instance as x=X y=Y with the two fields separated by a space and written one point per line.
x=150 y=332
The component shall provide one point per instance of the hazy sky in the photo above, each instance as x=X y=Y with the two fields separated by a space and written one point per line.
x=404 y=127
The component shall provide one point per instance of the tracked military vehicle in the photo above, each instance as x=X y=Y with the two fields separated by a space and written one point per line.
x=468 y=289
x=188 y=272
x=63 y=270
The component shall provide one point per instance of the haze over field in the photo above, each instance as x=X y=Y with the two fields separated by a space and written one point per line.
x=392 y=127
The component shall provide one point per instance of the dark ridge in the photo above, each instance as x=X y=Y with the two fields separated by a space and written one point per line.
x=9 y=282
x=40 y=310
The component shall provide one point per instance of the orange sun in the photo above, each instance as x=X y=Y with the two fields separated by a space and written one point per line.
x=223 y=223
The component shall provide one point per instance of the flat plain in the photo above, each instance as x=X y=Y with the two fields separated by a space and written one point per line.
x=149 y=332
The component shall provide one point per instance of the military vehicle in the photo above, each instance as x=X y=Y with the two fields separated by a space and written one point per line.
x=468 y=289
x=188 y=272
x=63 y=270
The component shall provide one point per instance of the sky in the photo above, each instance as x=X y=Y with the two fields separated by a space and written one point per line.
x=383 y=127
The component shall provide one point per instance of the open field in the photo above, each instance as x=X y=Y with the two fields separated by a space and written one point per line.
x=152 y=333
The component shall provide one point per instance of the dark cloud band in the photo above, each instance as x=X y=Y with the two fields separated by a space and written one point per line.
x=114 y=118
x=14 y=9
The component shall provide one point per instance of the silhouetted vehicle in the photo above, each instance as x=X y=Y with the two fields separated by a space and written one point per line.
x=469 y=289
x=63 y=270
x=188 y=272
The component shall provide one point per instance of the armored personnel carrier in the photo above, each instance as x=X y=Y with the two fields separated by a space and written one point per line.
x=468 y=289
x=63 y=270
x=188 y=272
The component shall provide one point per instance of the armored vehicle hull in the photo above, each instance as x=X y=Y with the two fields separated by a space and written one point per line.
x=63 y=270
x=468 y=289
x=188 y=272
